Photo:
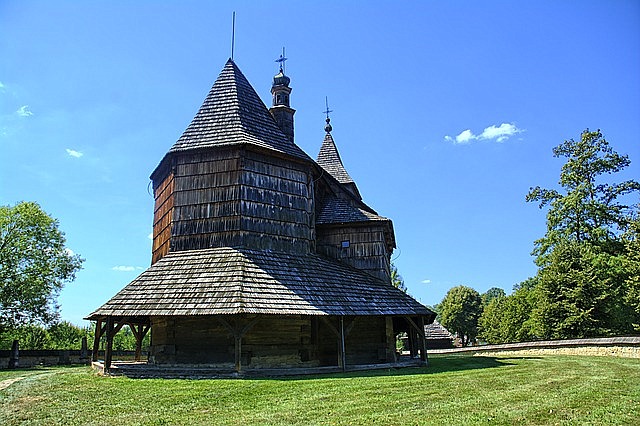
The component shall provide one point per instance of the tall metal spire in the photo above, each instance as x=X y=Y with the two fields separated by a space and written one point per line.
x=233 y=33
x=327 y=127
x=282 y=59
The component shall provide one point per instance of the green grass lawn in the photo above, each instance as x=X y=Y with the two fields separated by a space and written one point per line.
x=453 y=390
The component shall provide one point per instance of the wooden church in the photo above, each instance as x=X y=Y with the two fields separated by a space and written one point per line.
x=262 y=257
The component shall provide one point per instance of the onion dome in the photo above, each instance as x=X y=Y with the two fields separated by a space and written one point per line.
x=281 y=80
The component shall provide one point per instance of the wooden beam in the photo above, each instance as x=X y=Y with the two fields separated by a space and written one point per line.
x=422 y=340
x=237 y=331
x=343 y=353
x=423 y=343
x=341 y=333
x=331 y=326
x=108 y=353
x=118 y=327
x=96 y=341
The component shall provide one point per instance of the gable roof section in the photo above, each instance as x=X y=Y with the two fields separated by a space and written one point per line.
x=231 y=114
x=226 y=280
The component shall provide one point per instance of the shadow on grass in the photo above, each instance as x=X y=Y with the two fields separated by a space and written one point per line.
x=437 y=364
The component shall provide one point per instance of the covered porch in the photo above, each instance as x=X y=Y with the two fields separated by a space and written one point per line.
x=262 y=344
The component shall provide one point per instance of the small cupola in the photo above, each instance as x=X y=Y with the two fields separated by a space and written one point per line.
x=281 y=109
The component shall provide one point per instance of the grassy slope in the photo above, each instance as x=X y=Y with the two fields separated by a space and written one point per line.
x=454 y=390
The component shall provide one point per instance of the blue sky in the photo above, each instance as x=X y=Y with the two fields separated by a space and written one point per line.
x=445 y=114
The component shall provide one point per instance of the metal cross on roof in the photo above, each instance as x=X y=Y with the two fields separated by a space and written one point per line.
x=282 y=59
x=326 y=102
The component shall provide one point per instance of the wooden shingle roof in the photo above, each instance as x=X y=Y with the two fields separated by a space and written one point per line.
x=329 y=159
x=232 y=114
x=436 y=330
x=334 y=209
x=235 y=280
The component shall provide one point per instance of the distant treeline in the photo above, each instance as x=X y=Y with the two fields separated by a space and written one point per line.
x=64 y=335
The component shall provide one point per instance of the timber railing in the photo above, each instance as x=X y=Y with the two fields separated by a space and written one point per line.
x=545 y=344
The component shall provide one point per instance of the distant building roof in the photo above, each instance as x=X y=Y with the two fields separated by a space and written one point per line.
x=437 y=331
x=235 y=281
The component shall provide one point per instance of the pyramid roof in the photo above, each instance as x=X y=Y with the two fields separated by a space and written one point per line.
x=233 y=114
x=225 y=281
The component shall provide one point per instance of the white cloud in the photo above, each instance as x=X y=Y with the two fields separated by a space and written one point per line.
x=498 y=133
x=69 y=252
x=73 y=153
x=1 y=86
x=150 y=236
x=426 y=281
x=123 y=268
x=465 y=136
x=23 y=111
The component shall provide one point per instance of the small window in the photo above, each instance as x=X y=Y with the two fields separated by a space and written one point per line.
x=346 y=244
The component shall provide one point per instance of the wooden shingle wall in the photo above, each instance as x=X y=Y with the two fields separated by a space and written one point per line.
x=235 y=198
x=367 y=247
x=207 y=200
x=162 y=218
x=277 y=204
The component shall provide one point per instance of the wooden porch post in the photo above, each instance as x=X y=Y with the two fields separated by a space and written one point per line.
x=238 y=352
x=423 y=342
x=418 y=331
x=343 y=353
x=96 y=341
x=238 y=331
x=139 y=334
x=108 y=353
x=341 y=335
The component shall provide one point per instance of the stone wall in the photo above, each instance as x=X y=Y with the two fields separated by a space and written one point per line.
x=628 y=346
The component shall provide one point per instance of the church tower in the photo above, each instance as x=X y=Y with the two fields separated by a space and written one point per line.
x=281 y=110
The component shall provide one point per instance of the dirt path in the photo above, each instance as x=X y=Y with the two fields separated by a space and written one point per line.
x=6 y=383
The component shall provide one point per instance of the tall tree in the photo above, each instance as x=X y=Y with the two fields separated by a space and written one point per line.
x=589 y=210
x=459 y=313
x=631 y=240
x=582 y=280
x=492 y=293
x=396 y=279
x=34 y=265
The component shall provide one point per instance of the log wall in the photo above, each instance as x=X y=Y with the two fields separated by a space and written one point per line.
x=273 y=342
x=367 y=249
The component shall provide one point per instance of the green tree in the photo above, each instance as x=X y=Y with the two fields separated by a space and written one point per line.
x=396 y=279
x=64 y=335
x=589 y=210
x=509 y=319
x=34 y=265
x=631 y=241
x=583 y=278
x=491 y=294
x=459 y=313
